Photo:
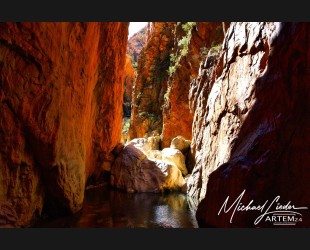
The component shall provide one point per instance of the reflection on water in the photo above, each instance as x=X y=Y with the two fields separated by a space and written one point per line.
x=108 y=208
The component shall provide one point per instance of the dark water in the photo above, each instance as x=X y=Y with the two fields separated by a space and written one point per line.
x=106 y=208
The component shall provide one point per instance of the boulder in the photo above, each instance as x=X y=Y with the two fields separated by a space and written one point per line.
x=181 y=144
x=134 y=172
x=140 y=143
x=154 y=141
x=175 y=157
x=154 y=155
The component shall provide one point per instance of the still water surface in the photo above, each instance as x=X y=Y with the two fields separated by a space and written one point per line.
x=109 y=208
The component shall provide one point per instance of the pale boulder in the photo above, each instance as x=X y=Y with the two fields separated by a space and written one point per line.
x=140 y=143
x=154 y=155
x=175 y=157
x=153 y=142
x=181 y=144
x=134 y=172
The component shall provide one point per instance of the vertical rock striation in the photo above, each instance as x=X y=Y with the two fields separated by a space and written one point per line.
x=61 y=90
x=150 y=84
x=177 y=117
x=251 y=123
x=136 y=43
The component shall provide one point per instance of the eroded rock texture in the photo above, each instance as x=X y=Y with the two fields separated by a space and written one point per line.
x=177 y=117
x=175 y=157
x=251 y=123
x=61 y=90
x=150 y=84
x=181 y=144
x=8 y=215
x=136 y=43
x=133 y=171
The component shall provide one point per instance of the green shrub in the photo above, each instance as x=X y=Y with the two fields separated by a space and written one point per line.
x=217 y=47
x=182 y=49
x=188 y=26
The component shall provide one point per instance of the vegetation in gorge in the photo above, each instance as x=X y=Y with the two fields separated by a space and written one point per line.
x=151 y=80
x=181 y=50
x=215 y=46
x=206 y=113
x=182 y=47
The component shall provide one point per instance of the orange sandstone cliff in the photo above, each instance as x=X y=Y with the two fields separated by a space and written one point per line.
x=150 y=84
x=136 y=43
x=192 y=43
x=166 y=66
x=61 y=90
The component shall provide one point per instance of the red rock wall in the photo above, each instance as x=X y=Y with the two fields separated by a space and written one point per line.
x=136 y=43
x=150 y=84
x=177 y=117
x=251 y=125
x=61 y=110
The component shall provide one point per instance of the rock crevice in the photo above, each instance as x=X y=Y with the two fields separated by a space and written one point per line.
x=251 y=129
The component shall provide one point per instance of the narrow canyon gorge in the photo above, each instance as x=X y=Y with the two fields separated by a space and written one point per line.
x=183 y=124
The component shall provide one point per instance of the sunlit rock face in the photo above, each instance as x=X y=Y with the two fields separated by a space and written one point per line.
x=136 y=43
x=61 y=90
x=133 y=171
x=145 y=145
x=251 y=123
x=175 y=157
x=141 y=167
x=177 y=117
x=151 y=81
x=180 y=143
x=134 y=46
x=161 y=99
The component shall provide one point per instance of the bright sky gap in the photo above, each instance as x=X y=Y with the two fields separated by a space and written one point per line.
x=134 y=27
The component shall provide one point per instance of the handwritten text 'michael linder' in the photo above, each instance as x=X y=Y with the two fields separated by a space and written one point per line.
x=273 y=207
